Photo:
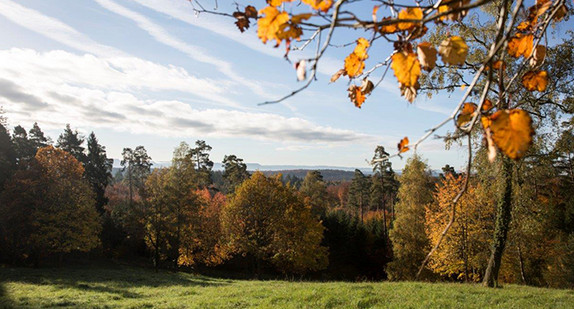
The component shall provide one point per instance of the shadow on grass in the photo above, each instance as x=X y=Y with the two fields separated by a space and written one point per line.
x=112 y=279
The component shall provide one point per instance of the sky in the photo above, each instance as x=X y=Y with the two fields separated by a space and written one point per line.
x=152 y=73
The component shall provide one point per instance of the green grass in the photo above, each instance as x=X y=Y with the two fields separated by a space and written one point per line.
x=129 y=287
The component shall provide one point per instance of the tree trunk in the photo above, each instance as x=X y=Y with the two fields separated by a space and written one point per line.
x=521 y=261
x=502 y=225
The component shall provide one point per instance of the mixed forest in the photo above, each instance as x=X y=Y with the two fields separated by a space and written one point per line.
x=60 y=202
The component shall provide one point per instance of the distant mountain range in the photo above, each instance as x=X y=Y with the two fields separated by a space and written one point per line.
x=330 y=173
x=260 y=167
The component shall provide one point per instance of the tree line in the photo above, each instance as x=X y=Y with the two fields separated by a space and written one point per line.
x=60 y=200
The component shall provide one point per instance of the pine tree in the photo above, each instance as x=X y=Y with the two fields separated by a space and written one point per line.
x=71 y=142
x=37 y=137
x=137 y=165
x=359 y=193
x=22 y=146
x=200 y=156
x=235 y=172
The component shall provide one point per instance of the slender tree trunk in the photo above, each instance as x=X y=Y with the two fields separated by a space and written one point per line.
x=521 y=261
x=130 y=182
x=502 y=225
x=384 y=206
x=464 y=250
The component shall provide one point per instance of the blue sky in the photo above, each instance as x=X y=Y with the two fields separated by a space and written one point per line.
x=150 y=72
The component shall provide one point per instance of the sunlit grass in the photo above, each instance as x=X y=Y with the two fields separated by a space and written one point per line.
x=129 y=287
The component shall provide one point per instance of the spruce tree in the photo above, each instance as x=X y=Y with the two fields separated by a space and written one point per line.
x=98 y=170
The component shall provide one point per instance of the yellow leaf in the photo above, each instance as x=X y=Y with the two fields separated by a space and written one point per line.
x=453 y=5
x=427 y=55
x=268 y=26
x=406 y=67
x=466 y=114
x=520 y=45
x=356 y=95
x=354 y=65
x=277 y=2
x=361 y=48
x=320 y=5
x=402 y=146
x=512 y=132
x=409 y=13
x=535 y=80
x=453 y=50
x=296 y=19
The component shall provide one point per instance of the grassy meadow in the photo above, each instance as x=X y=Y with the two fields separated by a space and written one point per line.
x=113 y=286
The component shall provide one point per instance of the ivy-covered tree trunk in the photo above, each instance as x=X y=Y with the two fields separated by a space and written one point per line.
x=502 y=225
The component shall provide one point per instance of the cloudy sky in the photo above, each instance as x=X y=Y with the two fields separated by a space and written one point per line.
x=150 y=72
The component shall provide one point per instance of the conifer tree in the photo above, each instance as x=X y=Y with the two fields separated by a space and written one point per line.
x=98 y=170
x=71 y=142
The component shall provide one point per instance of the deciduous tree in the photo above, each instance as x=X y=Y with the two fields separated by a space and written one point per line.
x=407 y=235
x=269 y=221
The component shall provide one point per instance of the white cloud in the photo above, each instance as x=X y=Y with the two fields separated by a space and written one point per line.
x=195 y=52
x=54 y=29
x=58 y=87
x=182 y=10
x=50 y=70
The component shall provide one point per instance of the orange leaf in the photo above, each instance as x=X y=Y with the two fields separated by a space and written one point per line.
x=320 y=5
x=535 y=80
x=388 y=29
x=499 y=64
x=356 y=95
x=487 y=105
x=409 y=13
x=403 y=145
x=453 y=50
x=524 y=26
x=512 y=132
x=520 y=45
x=427 y=55
x=269 y=25
x=354 y=65
x=406 y=67
x=465 y=114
